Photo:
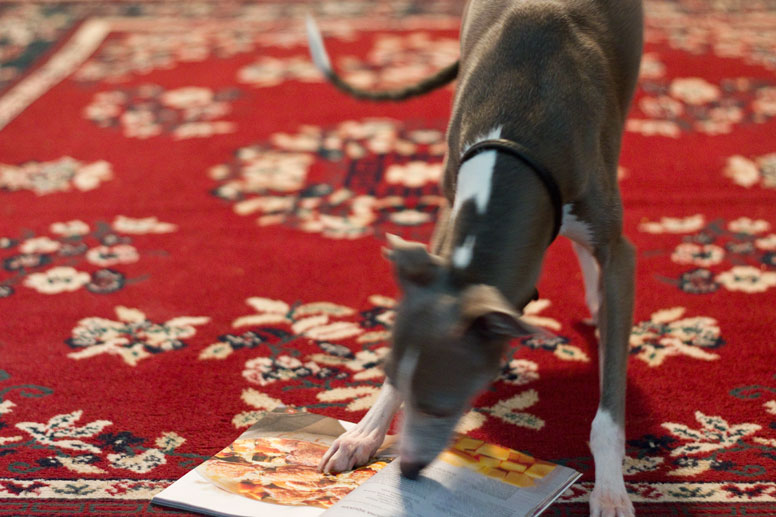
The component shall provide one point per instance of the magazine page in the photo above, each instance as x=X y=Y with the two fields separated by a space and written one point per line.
x=271 y=469
x=470 y=478
x=194 y=493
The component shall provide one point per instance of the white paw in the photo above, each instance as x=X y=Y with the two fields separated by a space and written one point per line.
x=351 y=449
x=610 y=503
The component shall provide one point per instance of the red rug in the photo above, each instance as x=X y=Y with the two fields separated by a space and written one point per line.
x=190 y=233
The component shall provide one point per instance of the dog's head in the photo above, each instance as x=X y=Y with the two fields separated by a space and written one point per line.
x=448 y=343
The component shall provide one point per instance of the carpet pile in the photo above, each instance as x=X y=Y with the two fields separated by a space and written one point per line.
x=190 y=229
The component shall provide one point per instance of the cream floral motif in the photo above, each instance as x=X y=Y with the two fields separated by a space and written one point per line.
x=633 y=466
x=470 y=421
x=277 y=323
x=395 y=60
x=141 y=53
x=717 y=445
x=670 y=108
x=163 y=36
x=750 y=172
x=400 y=59
x=651 y=66
x=376 y=172
x=163 y=45
x=150 y=110
x=111 y=255
x=73 y=228
x=365 y=362
x=667 y=334
x=27 y=30
x=653 y=127
x=36 y=262
x=531 y=314
x=40 y=245
x=749 y=226
x=509 y=410
x=270 y=71
x=170 y=441
x=312 y=320
x=265 y=370
x=143 y=225
x=694 y=91
x=59 y=175
x=6 y=407
x=700 y=255
x=10 y=439
x=714 y=434
x=727 y=29
x=558 y=345
x=512 y=411
x=674 y=224
x=260 y=402
x=271 y=171
x=57 y=280
x=748 y=279
x=766 y=243
x=770 y=408
x=413 y=174
x=737 y=255
x=519 y=372
x=361 y=397
x=139 y=463
x=80 y=448
x=133 y=337
x=61 y=431
x=324 y=324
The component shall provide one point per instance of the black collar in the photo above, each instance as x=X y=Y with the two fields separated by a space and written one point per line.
x=521 y=153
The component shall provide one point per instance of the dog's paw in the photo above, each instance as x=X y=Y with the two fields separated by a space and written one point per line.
x=610 y=503
x=351 y=449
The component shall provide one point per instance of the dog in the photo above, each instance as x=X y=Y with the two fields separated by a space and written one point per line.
x=543 y=90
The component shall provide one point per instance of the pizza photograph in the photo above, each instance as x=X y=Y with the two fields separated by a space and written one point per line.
x=282 y=471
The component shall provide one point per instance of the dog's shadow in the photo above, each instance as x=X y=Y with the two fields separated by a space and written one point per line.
x=637 y=403
x=572 y=390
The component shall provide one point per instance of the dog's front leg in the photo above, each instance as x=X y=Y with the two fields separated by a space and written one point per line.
x=355 y=447
x=607 y=437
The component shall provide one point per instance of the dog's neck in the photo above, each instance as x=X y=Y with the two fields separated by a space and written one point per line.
x=501 y=224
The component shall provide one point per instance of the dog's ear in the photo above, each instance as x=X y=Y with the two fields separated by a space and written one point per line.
x=412 y=260
x=485 y=310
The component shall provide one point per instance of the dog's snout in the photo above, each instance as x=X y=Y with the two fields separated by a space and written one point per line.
x=411 y=469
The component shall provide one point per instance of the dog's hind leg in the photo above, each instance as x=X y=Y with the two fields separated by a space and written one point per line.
x=607 y=437
x=591 y=274
x=356 y=446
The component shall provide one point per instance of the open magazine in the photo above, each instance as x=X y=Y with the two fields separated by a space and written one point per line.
x=271 y=470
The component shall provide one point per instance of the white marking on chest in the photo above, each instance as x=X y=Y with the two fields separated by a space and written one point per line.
x=475 y=182
x=576 y=229
x=475 y=176
x=462 y=255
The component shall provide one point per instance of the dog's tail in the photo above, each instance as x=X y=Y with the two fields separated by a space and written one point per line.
x=322 y=62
